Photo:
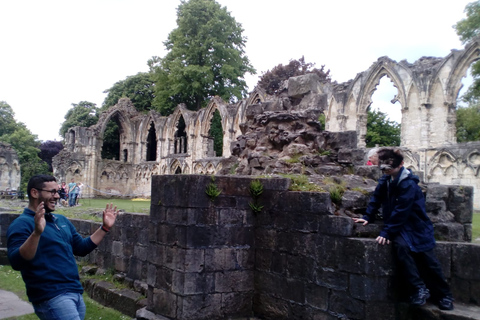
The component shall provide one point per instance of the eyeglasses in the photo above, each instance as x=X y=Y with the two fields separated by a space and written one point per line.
x=53 y=191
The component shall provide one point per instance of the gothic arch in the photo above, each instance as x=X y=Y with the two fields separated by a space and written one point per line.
x=258 y=95
x=384 y=67
x=470 y=54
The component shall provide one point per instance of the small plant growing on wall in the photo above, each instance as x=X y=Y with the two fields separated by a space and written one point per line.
x=212 y=190
x=256 y=189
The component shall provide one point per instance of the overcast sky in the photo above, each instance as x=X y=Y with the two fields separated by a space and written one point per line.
x=55 y=53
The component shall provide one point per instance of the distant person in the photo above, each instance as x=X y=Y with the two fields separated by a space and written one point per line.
x=72 y=195
x=408 y=228
x=79 y=193
x=372 y=157
x=42 y=246
x=63 y=196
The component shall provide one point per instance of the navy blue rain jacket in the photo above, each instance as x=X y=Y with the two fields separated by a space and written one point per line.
x=403 y=208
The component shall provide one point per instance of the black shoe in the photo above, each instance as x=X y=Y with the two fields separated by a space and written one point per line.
x=446 y=303
x=420 y=298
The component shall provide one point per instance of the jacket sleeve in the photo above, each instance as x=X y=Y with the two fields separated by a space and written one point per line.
x=375 y=200
x=402 y=207
x=80 y=246
x=17 y=234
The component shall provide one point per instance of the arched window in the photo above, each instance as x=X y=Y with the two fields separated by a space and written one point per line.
x=180 y=143
x=151 y=143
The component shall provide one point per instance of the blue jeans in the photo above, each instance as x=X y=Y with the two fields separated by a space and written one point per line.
x=72 y=198
x=67 y=306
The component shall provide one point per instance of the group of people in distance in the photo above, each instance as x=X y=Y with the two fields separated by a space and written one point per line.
x=70 y=194
x=42 y=245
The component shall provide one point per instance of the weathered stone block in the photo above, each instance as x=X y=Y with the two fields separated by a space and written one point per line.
x=316 y=296
x=342 y=304
x=461 y=253
x=460 y=203
x=266 y=305
x=301 y=85
x=163 y=278
x=200 y=307
x=336 y=225
x=351 y=156
x=237 y=304
x=365 y=256
x=162 y=302
x=300 y=267
x=369 y=288
x=305 y=203
x=331 y=278
x=234 y=281
x=265 y=238
x=449 y=231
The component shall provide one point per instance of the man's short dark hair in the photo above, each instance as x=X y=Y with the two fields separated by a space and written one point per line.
x=391 y=156
x=37 y=181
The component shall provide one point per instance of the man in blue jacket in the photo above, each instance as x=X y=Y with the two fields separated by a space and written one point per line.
x=408 y=228
x=42 y=246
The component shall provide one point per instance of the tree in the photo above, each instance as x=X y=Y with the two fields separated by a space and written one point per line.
x=205 y=58
x=8 y=124
x=468 y=123
x=271 y=81
x=48 y=150
x=467 y=29
x=381 y=131
x=138 y=88
x=83 y=114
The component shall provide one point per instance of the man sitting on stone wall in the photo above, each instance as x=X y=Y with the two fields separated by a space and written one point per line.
x=408 y=228
x=42 y=246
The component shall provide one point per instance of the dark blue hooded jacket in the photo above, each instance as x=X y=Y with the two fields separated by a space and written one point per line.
x=53 y=270
x=403 y=208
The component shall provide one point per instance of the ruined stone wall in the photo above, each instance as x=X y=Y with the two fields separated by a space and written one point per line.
x=427 y=92
x=213 y=258
x=10 y=175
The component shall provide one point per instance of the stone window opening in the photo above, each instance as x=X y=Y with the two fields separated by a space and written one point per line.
x=111 y=140
x=151 y=143
x=178 y=171
x=125 y=155
x=384 y=99
x=215 y=136
x=180 y=138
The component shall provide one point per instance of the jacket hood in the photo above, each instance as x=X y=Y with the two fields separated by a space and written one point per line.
x=407 y=174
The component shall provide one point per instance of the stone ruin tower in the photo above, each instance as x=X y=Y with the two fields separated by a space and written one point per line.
x=10 y=175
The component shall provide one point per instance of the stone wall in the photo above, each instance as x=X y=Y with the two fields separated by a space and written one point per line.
x=10 y=176
x=299 y=257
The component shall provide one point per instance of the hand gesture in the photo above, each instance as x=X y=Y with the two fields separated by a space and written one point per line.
x=382 y=240
x=359 y=220
x=39 y=219
x=109 y=215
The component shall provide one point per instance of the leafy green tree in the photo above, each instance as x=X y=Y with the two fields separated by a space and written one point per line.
x=205 y=58
x=467 y=29
x=272 y=80
x=140 y=89
x=468 y=123
x=381 y=131
x=83 y=114
x=8 y=124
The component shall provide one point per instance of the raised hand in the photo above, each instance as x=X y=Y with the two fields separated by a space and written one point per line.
x=110 y=215
x=39 y=219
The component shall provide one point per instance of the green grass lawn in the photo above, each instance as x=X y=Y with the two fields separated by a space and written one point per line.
x=476 y=227
x=11 y=280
